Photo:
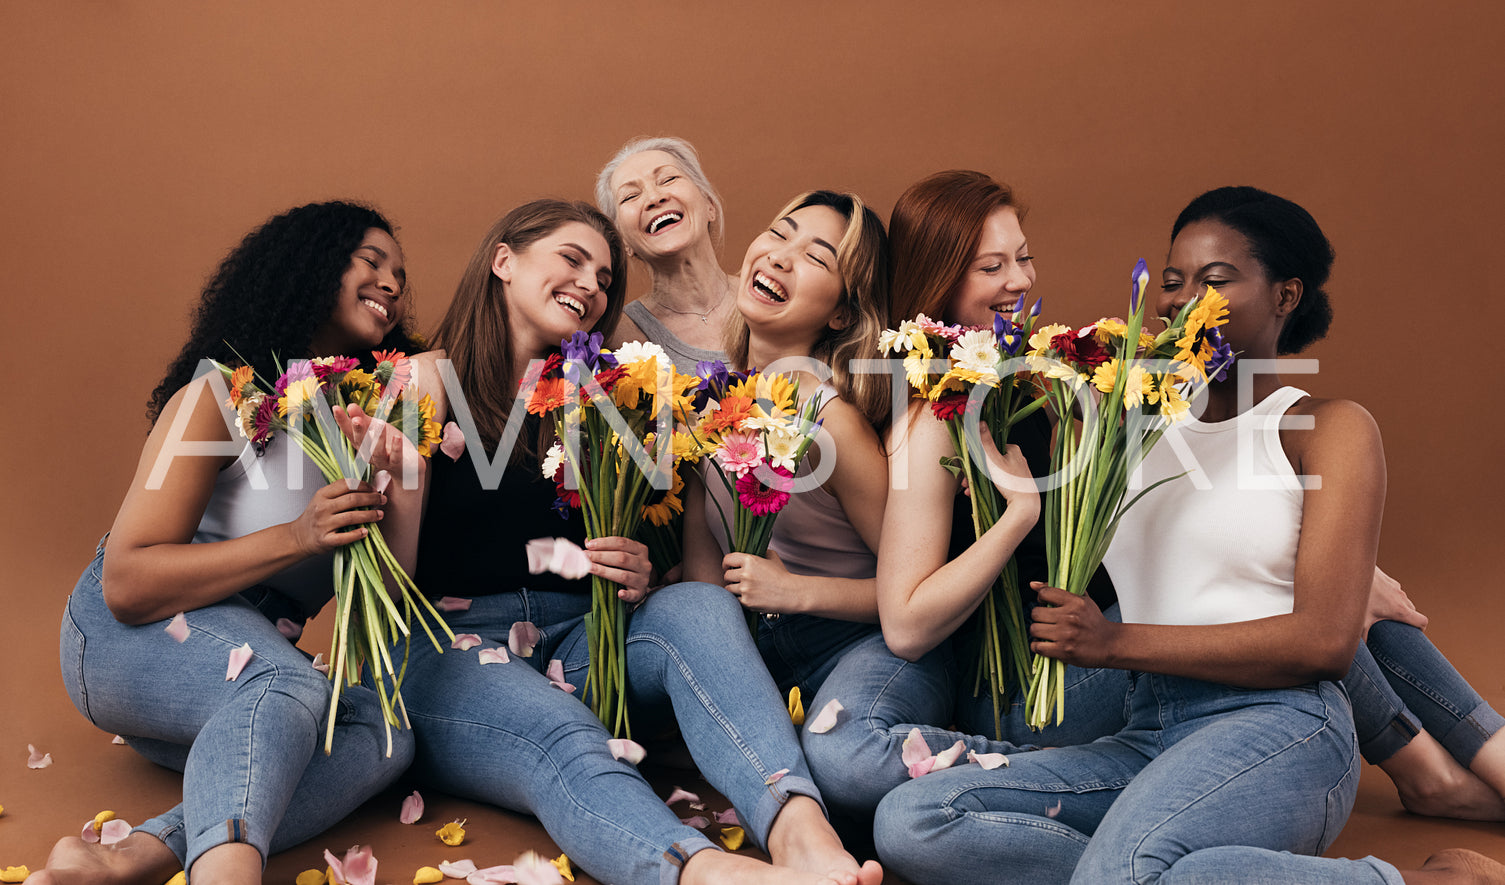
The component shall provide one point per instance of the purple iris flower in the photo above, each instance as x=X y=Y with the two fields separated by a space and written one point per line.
x=585 y=347
x=714 y=379
x=1222 y=356
x=1140 y=269
x=1007 y=334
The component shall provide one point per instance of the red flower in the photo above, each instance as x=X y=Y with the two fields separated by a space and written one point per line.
x=1081 y=347
x=608 y=378
x=761 y=499
x=950 y=406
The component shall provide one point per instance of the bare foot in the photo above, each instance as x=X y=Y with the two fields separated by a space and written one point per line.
x=138 y=859
x=1459 y=865
x=712 y=867
x=1432 y=783
x=802 y=839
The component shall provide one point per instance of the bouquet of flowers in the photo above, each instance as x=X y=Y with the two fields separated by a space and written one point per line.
x=605 y=407
x=1145 y=382
x=961 y=372
x=301 y=404
x=753 y=428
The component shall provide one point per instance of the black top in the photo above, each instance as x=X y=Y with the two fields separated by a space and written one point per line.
x=1032 y=436
x=473 y=541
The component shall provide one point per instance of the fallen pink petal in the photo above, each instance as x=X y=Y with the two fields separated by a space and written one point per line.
x=558 y=555
x=776 y=776
x=698 y=806
x=826 y=719
x=1054 y=810
x=681 y=795
x=412 y=809
x=380 y=481
x=727 y=817
x=522 y=638
x=89 y=834
x=629 y=750
x=453 y=441
x=320 y=665
x=291 y=629
x=496 y=655
x=37 y=760
x=699 y=822
x=946 y=758
x=117 y=739
x=915 y=749
x=988 y=761
x=457 y=870
x=238 y=660
x=449 y=604
x=506 y=874
x=921 y=768
x=113 y=831
x=540 y=551
x=358 y=867
x=555 y=672
x=177 y=628
x=535 y=870
x=465 y=641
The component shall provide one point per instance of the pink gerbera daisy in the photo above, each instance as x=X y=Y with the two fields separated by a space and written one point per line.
x=765 y=500
x=739 y=451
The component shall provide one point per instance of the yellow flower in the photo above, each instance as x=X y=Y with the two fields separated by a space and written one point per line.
x=427 y=876
x=179 y=878
x=637 y=378
x=973 y=376
x=14 y=874
x=430 y=432
x=687 y=448
x=101 y=819
x=240 y=380
x=298 y=394
x=796 y=706
x=731 y=837
x=452 y=833
x=1211 y=311
x=562 y=864
x=917 y=369
x=662 y=513
x=1105 y=375
x=1040 y=341
x=1172 y=405
x=947 y=383
x=1139 y=388
x=312 y=877
x=1108 y=329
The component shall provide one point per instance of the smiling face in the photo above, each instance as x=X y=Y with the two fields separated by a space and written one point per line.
x=660 y=211
x=370 y=303
x=791 y=286
x=1000 y=271
x=1210 y=253
x=554 y=287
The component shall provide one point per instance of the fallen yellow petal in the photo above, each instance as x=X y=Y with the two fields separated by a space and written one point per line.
x=313 y=877
x=14 y=874
x=101 y=819
x=796 y=706
x=562 y=863
x=427 y=876
x=452 y=833
x=732 y=837
x=180 y=879
x=2 y=810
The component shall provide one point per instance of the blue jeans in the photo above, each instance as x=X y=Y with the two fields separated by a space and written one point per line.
x=1400 y=683
x=856 y=763
x=802 y=650
x=502 y=734
x=251 y=751
x=1206 y=783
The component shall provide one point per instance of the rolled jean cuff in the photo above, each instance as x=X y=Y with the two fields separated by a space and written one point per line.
x=168 y=829
x=679 y=854
x=225 y=832
x=772 y=802
x=1464 y=739
x=1396 y=734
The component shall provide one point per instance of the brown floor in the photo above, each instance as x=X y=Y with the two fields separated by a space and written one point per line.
x=90 y=774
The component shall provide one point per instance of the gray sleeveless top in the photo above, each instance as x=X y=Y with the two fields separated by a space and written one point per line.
x=685 y=356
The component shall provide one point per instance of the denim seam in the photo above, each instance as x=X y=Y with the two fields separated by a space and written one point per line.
x=705 y=699
x=1421 y=686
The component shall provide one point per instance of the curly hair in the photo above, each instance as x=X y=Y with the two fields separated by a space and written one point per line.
x=272 y=293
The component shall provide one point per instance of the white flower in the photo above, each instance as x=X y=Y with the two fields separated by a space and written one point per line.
x=781 y=444
x=552 y=459
x=637 y=351
x=977 y=352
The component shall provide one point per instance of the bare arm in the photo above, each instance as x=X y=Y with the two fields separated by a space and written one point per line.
x=152 y=568
x=702 y=560
x=1340 y=526
x=922 y=597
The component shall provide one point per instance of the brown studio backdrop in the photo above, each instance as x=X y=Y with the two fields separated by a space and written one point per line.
x=141 y=140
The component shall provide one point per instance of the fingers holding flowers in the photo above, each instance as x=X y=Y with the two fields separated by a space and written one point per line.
x=760 y=583
x=1010 y=473
x=1070 y=628
x=387 y=447
x=624 y=562
x=336 y=516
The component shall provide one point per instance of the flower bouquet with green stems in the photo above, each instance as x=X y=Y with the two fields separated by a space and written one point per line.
x=604 y=405
x=754 y=430
x=1145 y=382
x=301 y=405
x=961 y=373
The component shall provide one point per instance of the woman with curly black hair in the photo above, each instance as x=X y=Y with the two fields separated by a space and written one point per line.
x=240 y=540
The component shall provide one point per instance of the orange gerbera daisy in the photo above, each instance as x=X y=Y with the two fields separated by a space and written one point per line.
x=551 y=394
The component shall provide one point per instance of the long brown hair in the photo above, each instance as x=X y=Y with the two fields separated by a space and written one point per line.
x=934 y=231
x=473 y=332
x=862 y=260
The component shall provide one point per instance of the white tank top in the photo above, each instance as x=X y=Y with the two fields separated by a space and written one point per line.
x=1218 y=545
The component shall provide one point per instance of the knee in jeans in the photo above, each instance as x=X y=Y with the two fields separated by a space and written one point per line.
x=303 y=684
x=695 y=599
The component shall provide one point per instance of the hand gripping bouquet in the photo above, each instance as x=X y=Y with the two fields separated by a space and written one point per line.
x=613 y=416
x=963 y=374
x=368 y=619
x=756 y=434
x=1146 y=382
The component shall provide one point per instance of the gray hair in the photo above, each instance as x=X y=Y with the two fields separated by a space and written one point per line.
x=685 y=158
